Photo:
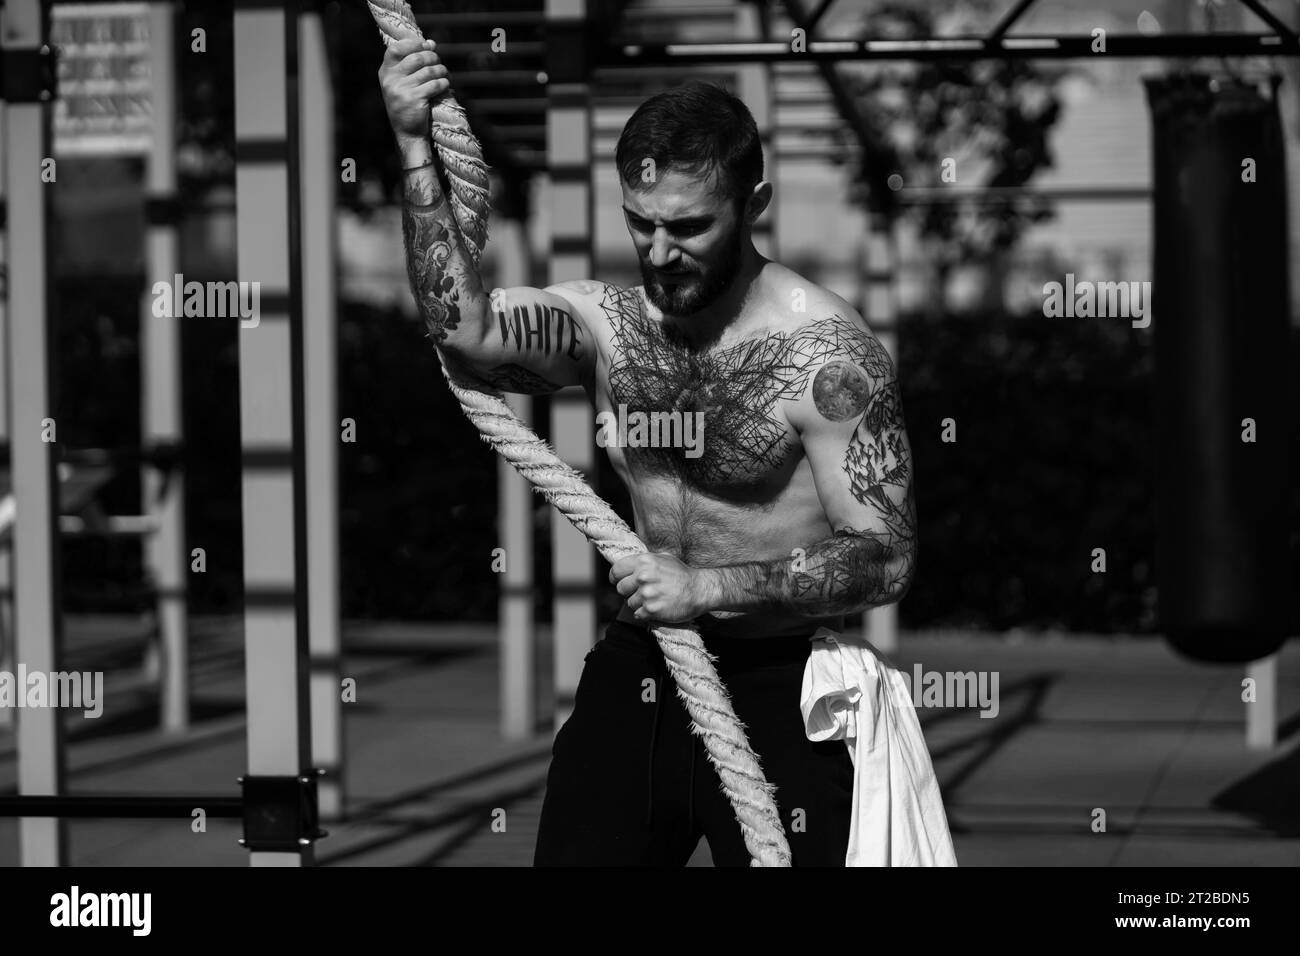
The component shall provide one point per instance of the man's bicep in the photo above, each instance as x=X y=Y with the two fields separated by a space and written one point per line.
x=863 y=476
x=536 y=340
x=850 y=421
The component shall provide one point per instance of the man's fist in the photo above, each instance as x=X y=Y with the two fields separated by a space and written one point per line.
x=659 y=587
x=411 y=79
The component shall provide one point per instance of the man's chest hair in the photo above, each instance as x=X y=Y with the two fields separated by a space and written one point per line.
x=737 y=387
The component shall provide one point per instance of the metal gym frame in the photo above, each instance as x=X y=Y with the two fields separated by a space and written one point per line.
x=289 y=432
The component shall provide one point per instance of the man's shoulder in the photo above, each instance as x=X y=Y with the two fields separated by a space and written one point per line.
x=809 y=313
x=825 y=338
x=795 y=293
x=827 y=332
x=597 y=290
x=834 y=362
x=601 y=302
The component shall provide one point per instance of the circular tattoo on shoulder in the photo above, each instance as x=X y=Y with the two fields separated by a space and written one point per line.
x=841 y=390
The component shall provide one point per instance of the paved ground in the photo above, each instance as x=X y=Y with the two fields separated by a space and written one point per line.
x=1084 y=723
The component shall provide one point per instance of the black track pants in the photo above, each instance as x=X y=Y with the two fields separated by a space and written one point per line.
x=630 y=785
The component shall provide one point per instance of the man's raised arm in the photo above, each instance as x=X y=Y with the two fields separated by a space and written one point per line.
x=522 y=339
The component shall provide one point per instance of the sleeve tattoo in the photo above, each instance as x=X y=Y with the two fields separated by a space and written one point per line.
x=855 y=568
x=515 y=378
x=459 y=316
x=442 y=277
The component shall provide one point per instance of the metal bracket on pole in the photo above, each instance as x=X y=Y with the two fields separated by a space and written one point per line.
x=281 y=814
x=163 y=210
x=1278 y=27
x=28 y=76
x=1009 y=19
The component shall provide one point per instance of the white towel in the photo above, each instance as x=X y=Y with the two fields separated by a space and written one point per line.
x=853 y=694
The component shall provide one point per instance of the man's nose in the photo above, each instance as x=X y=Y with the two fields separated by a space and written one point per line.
x=662 y=250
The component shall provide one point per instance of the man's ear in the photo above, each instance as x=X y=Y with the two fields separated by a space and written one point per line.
x=757 y=201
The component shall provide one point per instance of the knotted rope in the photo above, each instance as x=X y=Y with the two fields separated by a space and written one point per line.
x=691 y=665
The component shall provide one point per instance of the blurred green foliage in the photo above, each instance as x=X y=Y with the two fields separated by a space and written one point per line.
x=1052 y=458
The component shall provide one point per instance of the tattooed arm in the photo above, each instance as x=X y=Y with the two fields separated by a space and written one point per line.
x=850 y=419
x=524 y=340
x=444 y=281
x=521 y=340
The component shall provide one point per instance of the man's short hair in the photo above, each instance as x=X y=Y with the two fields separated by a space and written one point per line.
x=695 y=127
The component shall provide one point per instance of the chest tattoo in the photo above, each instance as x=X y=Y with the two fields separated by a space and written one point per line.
x=735 y=387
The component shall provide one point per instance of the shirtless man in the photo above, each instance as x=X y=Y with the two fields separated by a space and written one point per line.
x=798 y=512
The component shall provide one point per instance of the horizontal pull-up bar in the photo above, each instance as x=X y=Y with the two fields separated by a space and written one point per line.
x=93 y=807
x=945 y=195
x=110 y=526
x=279 y=813
x=952 y=48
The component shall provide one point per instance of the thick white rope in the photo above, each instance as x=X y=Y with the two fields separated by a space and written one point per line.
x=690 y=664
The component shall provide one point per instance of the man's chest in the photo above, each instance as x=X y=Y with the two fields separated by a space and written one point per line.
x=713 y=418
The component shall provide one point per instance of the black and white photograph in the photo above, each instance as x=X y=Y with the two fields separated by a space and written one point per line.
x=651 y=433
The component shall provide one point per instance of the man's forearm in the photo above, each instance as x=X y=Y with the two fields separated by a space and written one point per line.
x=444 y=281
x=846 y=573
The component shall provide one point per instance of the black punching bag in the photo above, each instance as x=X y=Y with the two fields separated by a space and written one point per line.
x=1220 y=318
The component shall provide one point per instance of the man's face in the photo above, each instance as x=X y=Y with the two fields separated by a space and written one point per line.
x=688 y=240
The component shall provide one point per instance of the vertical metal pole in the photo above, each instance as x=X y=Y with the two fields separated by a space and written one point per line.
x=516 y=616
x=754 y=86
x=320 y=173
x=6 y=573
x=1176 y=17
x=568 y=153
x=270 y=401
x=1290 y=68
x=37 y=621
x=880 y=309
x=162 y=424
x=1261 y=715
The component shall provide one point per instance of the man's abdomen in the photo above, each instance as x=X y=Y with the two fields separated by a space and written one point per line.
x=704 y=531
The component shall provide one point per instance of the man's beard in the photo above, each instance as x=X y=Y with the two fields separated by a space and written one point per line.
x=701 y=291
